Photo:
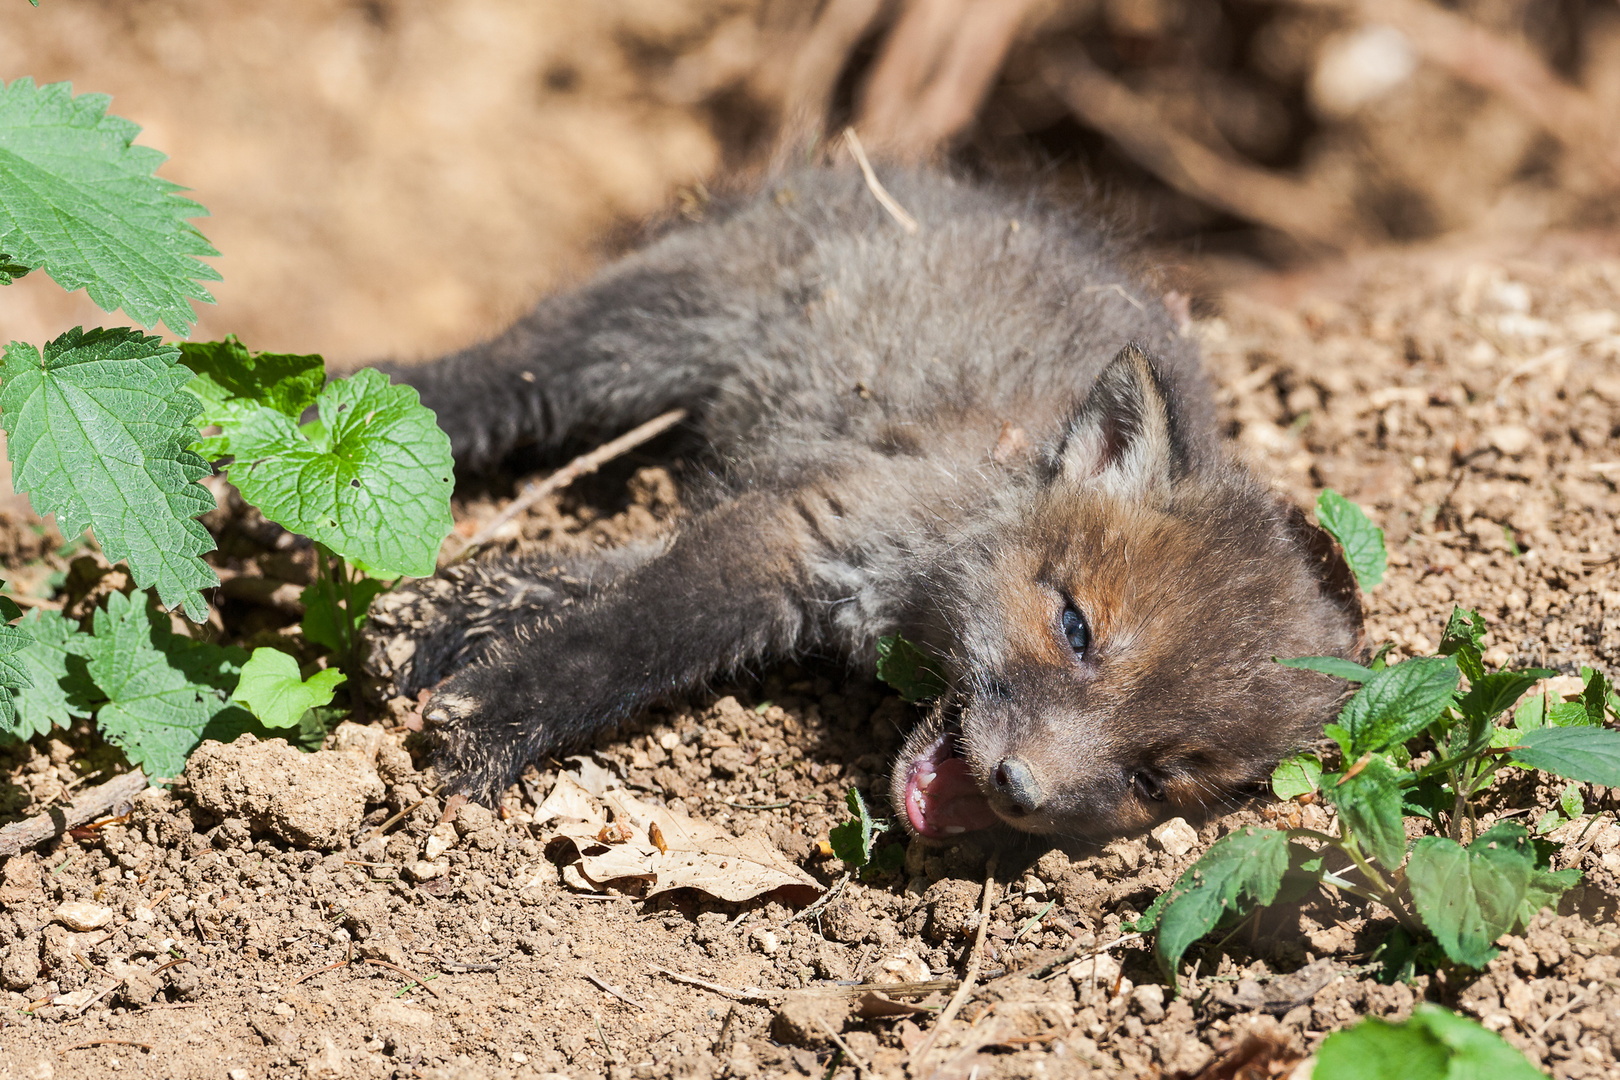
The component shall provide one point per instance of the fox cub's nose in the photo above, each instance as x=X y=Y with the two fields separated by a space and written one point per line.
x=1016 y=781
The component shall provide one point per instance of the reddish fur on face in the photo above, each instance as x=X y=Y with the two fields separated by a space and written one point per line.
x=1186 y=606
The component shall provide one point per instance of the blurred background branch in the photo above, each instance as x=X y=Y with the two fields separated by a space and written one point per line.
x=402 y=176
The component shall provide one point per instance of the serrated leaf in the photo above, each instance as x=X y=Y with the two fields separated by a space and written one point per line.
x=97 y=431
x=1370 y=804
x=373 y=484
x=1435 y=1044
x=80 y=202
x=1531 y=714
x=1491 y=695
x=1328 y=665
x=852 y=841
x=1468 y=897
x=904 y=666
x=232 y=383
x=1361 y=540
x=1570 y=801
x=59 y=689
x=1464 y=638
x=1398 y=702
x=271 y=688
x=1509 y=843
x=14 y=678
x=165 y=693
x=1588 y=754
x=1595 y=694
x=11 y=270
x=326 y=620
x=1240 y=870
x=1296 y=776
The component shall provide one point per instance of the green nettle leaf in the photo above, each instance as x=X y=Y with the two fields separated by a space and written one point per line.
x=1584 y=753
x=1570 y=801
x=326 y=620
x=1469 y=897
x=1435 y=1044
x=1240 y=870
x=904 y=666
x=1370 y=804
x=1398 y=702
x=10 y=270
x=1491 y=695
x=78 y=201
x=1464 y=638
x=1531 y=714
x=1296 y=776
x=97 y=430
x=233 y=383
x=271 y=689
x=59 y=689
x=1329 y=665
x=852 y=841
x=1595 y=695
x=1362 y=541
x=15 y=677
x=164 y=693
x=371 y=481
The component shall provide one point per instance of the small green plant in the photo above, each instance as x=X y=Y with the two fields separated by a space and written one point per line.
x=912 y=673
x=855 y=842
x=102 y=429
x=1435 y=1044
x=1412 y=743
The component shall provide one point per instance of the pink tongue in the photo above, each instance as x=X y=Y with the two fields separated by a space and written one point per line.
x=951 y=805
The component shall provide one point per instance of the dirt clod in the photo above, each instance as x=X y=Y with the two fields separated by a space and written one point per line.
x=312 y=800
x=805 y=1018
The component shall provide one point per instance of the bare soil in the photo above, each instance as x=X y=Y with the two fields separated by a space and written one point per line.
x=1469 y=399
x=398 y=178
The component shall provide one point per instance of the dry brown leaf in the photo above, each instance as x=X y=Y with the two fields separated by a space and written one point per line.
x=696 y=854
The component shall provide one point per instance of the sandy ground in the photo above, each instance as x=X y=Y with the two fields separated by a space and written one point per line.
x=1468 y=399
x=375 y=192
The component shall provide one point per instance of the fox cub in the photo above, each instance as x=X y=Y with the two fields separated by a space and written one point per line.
x=982 y=436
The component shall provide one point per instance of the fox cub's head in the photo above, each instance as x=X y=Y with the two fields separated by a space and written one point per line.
x=1111 y=652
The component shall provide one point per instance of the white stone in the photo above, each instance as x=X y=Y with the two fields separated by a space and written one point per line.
x=1510 y=439
x=439 y=841
x=1100 y=969
x=82 y=916
x=1175 y=837
x=425 y=871
x=765 y=940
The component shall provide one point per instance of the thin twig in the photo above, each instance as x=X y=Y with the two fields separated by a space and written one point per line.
x=860 y=1066
x=756 y=996
x=825 y=899
x=969 y=977
x=1577 y=999
x=580 y=466
x=875 y=186
x=405 y=813
x=1309 y=213
x=609 y=988
x=56 y=821
x=106 y=1042
x=1064 y=959
x=408 y=974
x=317 y=971
x=34 y=601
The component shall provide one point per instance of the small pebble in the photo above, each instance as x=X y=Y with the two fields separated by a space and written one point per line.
x=1175 y=837
x=82 y=916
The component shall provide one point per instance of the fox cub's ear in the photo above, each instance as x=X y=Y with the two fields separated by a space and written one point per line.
x=1121 y=440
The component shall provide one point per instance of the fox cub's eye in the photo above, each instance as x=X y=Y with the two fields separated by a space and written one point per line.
x=1076 y=630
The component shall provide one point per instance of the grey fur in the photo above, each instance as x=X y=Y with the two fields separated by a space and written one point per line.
x=882 y=416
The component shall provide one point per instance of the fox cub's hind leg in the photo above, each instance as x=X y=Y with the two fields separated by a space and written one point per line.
x=421 y=633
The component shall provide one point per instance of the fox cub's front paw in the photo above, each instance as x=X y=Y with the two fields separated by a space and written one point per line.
x=484 y=731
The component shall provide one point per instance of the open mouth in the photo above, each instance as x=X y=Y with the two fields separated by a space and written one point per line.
x=942 y=799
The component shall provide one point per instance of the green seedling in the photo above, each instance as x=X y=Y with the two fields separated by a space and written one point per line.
x=855 y=842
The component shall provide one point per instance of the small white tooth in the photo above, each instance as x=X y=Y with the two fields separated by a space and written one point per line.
x=952 y=830
x=926 y=780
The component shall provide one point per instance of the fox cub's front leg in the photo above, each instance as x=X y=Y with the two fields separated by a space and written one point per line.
x=726 y=591
x=418 y=634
